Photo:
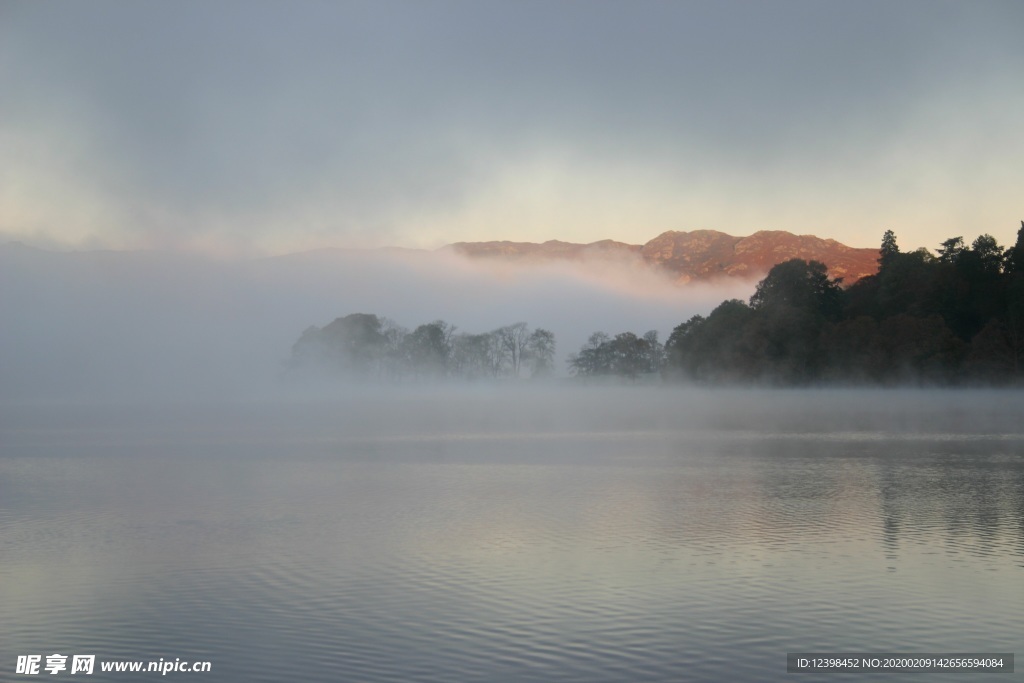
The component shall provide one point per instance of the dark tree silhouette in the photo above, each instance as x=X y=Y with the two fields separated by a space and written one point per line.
x=957 y=317
x=889 y=250
x=799 y=284
x=1013 y=258
x=951 y=249
x=624 y=355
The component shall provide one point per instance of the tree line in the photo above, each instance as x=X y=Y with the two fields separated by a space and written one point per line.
x=624 y=355
x=364 y=346
x=954 y=317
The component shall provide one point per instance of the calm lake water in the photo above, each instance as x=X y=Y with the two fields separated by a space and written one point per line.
x=584 y=534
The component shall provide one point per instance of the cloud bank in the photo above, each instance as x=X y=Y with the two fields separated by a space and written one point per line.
x=254 y=127
x=154 y=325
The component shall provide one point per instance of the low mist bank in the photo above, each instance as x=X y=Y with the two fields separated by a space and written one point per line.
x=153 y=325
x=143 y=325
x=424 y=415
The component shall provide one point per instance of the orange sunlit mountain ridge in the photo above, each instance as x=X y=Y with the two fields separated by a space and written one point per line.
x=698 y=255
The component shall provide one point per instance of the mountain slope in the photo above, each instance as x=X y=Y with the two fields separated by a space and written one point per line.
x=696 y=255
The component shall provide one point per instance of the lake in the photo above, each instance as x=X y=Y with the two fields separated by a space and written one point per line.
x=505 y=534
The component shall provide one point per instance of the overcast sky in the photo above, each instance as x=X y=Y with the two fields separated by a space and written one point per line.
x=250 y=127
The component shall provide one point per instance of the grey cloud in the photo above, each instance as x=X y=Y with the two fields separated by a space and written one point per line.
x=372 y=108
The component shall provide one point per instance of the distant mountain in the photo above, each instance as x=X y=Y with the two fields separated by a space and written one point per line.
x=696 y=255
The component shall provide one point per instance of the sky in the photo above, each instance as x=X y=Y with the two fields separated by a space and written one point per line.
x=273 y=127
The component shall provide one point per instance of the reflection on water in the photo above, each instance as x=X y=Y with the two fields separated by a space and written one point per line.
x=578 y=535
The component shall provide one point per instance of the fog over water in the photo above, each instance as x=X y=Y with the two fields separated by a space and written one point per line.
x=475 y=533
x=166 y=492
x=160 y=324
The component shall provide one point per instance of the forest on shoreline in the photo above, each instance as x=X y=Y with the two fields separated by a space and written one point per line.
x=951 y=318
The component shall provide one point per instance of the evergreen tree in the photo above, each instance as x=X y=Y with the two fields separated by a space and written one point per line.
x=1013 y=259
x=889 y=250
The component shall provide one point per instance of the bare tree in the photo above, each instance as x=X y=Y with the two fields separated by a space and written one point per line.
x=514 y=338
x=497 y=354
x=470 y=355
x=540 y=350
x=655 y=352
